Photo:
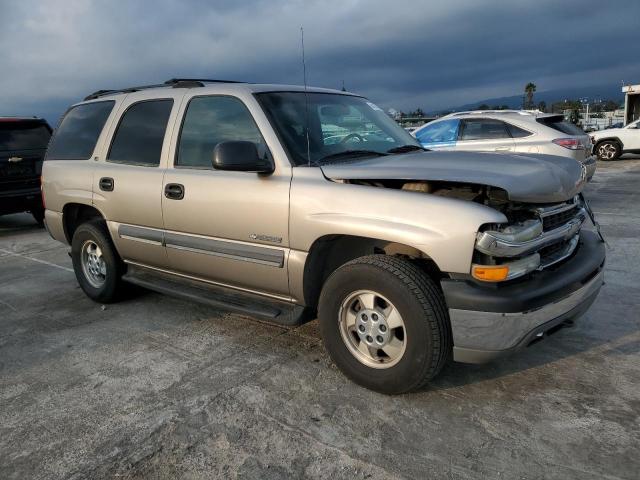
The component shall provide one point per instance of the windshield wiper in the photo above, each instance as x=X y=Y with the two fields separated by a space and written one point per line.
x=405 y=149
x=351 y=153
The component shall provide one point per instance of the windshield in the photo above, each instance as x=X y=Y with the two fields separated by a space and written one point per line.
x=23 y=135
x=339 y=126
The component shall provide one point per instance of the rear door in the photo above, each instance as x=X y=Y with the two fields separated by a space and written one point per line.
x=484 y=134
x=127 y=182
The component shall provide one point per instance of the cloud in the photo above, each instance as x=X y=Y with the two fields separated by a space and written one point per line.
x=402 y=53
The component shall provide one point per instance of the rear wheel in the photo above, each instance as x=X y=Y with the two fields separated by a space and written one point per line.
x=384 y=323
x=96 y=263
x=608 y=150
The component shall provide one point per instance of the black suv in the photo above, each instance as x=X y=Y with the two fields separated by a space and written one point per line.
x=23 y=142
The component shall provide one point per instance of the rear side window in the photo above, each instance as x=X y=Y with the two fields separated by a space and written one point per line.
x=140 y=134
x=517 y=132
x=78 y=132
x=483 y=129
x=558 y=123
x=213 y=120
x=23 y=135
x=439 y=132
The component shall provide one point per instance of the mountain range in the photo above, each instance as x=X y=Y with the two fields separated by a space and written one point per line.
x=595 y=93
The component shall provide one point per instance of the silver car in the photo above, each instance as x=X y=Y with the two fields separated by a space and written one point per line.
x=509 y=131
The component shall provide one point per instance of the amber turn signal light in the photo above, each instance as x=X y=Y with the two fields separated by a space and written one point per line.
x=490 y=273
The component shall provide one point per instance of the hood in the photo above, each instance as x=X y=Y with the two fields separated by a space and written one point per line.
x=528 y=178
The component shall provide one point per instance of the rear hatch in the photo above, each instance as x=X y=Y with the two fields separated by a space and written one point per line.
x=23 y=143
x=568 y=130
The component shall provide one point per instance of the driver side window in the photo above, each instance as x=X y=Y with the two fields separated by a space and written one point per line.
x=212 y=120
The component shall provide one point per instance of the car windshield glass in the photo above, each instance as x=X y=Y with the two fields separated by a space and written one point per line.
x=336 y=125
x=23 y=136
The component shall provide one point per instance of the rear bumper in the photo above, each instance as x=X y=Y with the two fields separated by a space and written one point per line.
x=491 y=322
x=14 y=201
x=54 y=224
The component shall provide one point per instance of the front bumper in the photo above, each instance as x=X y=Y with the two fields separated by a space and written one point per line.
x=491 y=321
x=590 y=162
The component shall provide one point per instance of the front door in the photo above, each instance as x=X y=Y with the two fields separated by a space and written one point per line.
x=226 y=227
x=127 y=182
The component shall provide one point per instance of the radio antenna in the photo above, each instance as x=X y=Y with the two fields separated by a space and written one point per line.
x=306 y=98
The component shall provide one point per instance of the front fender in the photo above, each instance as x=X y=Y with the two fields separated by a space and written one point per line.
x=444 y=229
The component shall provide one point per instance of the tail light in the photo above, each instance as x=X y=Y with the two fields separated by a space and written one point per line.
x=570 y=143
x=42 y=192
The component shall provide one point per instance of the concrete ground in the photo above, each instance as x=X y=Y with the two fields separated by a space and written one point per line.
x=158 y=388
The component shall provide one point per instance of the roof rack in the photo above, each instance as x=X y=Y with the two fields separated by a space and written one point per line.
x=492 y=112
x=173 y=83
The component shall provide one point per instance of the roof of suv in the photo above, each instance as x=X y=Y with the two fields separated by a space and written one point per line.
x=210 y=85
x=521 y=115
x=22 y=119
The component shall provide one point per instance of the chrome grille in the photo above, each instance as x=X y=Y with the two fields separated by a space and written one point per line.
x=555 y=220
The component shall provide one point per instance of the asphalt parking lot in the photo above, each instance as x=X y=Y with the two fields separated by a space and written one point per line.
x=156 y=387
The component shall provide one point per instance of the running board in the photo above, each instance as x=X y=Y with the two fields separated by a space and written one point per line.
x=280 y=312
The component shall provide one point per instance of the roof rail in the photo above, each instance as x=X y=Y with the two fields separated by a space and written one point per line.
x=201 y=81
x=174 y=83
x=493 y=112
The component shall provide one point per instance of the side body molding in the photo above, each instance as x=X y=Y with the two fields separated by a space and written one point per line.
x=209 y=246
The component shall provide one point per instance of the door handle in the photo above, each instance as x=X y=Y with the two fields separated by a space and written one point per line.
x=174 y=191
x=106 y=184
x=502 y=149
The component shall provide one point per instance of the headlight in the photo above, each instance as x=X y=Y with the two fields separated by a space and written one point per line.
x=518 y=233
x=506 y=271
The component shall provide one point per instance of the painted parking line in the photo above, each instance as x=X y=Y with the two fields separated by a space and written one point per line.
x=44 y=262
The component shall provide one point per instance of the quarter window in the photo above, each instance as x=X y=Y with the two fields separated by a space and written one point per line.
x=212 y=120
x=140 y=134
x=483 y=129
x=517 y=132
x=78 y=132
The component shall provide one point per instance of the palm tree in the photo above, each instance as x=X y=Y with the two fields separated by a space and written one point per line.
x=528 y=90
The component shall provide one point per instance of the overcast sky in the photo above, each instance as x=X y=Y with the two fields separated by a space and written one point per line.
x=402 y=54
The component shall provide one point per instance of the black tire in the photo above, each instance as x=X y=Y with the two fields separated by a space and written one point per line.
x=608 y=150
x=38 y=215
x=419 y=302
x=110 y=289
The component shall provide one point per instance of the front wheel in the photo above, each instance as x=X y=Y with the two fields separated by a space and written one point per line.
x=608 y=150
x=384 y=323
x=96 y=263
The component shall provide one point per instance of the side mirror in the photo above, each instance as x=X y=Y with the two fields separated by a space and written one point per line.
x=240 y=156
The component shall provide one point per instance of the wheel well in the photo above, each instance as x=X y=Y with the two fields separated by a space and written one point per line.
x=75 y=214
x=330 y=252
x=609 y=139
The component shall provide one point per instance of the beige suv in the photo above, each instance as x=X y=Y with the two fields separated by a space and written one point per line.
x=285 y=203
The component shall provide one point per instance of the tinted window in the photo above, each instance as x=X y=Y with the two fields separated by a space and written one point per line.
x=437 y=132
x=212 y=120
x=23 y=135
x=140 y=134
x=517 y=132
x=483 y=129
x=558 y=123
x=76 y=136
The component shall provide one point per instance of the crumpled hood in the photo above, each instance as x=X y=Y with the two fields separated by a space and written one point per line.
x=529 y=178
